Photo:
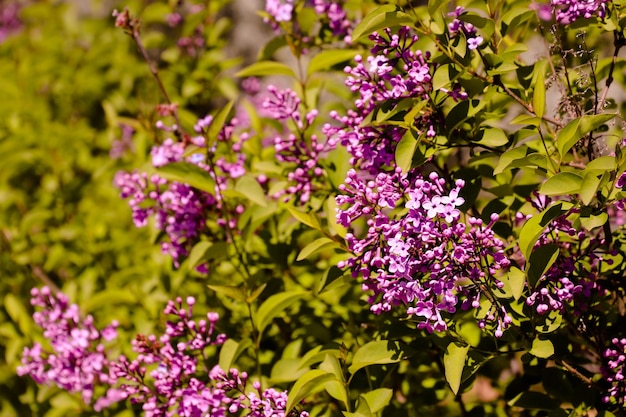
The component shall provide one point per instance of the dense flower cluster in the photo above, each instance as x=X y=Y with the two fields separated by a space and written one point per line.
x=180 y=210
x=468 y=30
x=392 y=73
x=77 y=360
x=300 y=151
x=567 y=11
x=168 y=376
x=614 y=371
x=416 y=252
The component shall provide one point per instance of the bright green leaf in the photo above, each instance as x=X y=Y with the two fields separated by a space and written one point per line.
x=515 y=281
x=308 y=219
x=561 y=184
x=508 y=157
x=230 y=351
x=493 y=137
x=534 y=226
x=274 y=306
x=236 y=293
x=251 y=189
x=315 y=246
x=377 y=399
x=378 y=353
x=454 y=362
x=188 y=173
x=383 y=17
x=405 y=150
x=577 y=129
x=219 y=120
x=266 y=68
x=542 y=348
x=306 y=384
x=329 y=58
x=588 y=188
x=594 y=221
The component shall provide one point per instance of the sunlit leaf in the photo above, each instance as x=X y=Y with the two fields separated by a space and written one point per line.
x=454 y=362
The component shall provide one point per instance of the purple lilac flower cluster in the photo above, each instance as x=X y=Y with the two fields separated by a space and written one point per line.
x=614 y=371
x=9 y=19
x=416 y=253
x=338 y=21
x=567 y=11
x=180 y=210
x=301 y=151
x=331 y=14
x=572 y=277
x=167 y=378
x=468 y=30
x=392 y=73
x=77 y=361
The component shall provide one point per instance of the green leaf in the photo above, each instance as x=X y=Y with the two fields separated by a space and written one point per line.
x=383 y=17
x=561 y=184
x=593 y=221
x=602 y=164
x=515 y=281
x=508 y=157
x=493 y=137
x=525 y=119
x=274 y=306
x=378 y=352
x=219 y=120
x=236 y=293
x=577 y=129
x=188 y=173
x=286 y=370
x=16 y=310
x=441 y=77
x=305 y=385
x=534 y=226
x=589 y=187
x=541 y=259
x=315 y=246
x=329 y=58
x=454 y=362
x=199 y=250
x=308 y=219
x=266 y=68
x=405 y=150
x=539 y=95
x=230 y=351
x=377 y=399
x=542 y=348
x=337 y=390
x=331 y=365
x=252 y=190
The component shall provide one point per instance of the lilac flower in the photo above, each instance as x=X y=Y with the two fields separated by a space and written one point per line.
x=568 y=11
x=167 y=377
x=9 y=19
x=469 y=31
x=415 y=254
x=179 y=209
x=279 y=11
x=77 y=361
x=614 y=371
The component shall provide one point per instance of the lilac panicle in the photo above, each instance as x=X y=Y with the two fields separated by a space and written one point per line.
x=614 y=371
x=300 y=152
x=415 y=254
x=568 y=11
x=77 y=361
x=168 y=377
x=181 y=210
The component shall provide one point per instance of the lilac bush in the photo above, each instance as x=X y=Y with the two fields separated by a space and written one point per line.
x=413 y=194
